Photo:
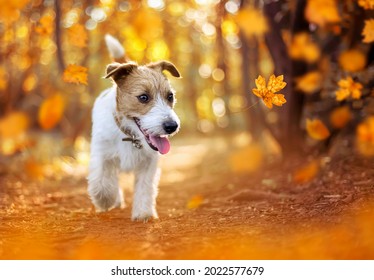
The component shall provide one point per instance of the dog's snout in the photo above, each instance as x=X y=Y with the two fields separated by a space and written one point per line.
x=170 y=126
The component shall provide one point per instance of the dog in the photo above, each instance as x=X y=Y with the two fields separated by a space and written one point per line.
x=131 y=123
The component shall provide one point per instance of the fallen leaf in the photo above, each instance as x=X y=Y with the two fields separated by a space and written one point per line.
x=352 y=60
x=368 y=31
x=339 y=117
x=75 y=74
x=316 y=129
x=267 y=93
x=310 y=82
x=306 y=173
x=248 y=159
x=195 y=202
x=51 y=111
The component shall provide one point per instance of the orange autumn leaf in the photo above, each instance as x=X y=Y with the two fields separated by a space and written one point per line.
x=34 y=170
x=366 y=4
x=45 y=25
x=267 y=92
x=368 y=31
x=339 y=117
x=303 y=48
x=365 y=137
x=195 y=202
x=352 y=60
x=348 y=88
x=251 y=21
x=75 y=74
x=13 y=125
x=306 y=173
x=248 y=159
x=322 y=12
x=310 y=82
x=316 y=129
x=51 y=111
x=77 y=35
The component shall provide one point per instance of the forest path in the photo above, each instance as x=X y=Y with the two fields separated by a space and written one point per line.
x=206 y=212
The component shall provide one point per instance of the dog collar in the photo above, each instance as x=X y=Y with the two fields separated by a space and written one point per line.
x=132 y=137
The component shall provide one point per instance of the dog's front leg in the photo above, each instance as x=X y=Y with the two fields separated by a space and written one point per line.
x=146 y=189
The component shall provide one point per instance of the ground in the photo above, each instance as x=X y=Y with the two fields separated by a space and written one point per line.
x=206 y=211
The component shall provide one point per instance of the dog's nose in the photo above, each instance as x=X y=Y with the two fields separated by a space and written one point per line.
x=170 y=126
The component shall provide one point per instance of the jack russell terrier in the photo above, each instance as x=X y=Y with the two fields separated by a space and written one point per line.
x=131 y=123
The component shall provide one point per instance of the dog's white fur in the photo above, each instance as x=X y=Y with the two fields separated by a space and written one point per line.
x=110 y=155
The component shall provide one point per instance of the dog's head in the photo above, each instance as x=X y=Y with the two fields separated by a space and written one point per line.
x=145 y=97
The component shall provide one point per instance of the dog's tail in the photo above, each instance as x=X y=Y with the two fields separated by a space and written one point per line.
x=116 y=50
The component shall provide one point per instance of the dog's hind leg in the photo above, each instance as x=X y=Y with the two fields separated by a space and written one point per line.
x=145 y=193
x=103 y=184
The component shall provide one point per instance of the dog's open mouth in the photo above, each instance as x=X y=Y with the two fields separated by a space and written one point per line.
x=156 y=142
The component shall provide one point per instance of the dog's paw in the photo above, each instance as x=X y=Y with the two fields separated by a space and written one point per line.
x=144 y=217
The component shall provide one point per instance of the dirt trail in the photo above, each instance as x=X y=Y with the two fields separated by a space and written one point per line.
x=262 y=215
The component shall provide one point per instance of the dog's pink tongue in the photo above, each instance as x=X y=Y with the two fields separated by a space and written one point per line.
x=161 y=143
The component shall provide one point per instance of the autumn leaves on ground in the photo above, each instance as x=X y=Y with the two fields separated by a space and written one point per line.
x=275 y=156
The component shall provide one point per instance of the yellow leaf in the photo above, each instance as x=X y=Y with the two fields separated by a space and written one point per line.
x=348 y=88
x=303 y=48
x=365 y=137
x=322 y=12
x=316 y=129
x=352 y=60
x=368 y=31
x=75 y=74
x=248 y=159
x=51 y=111
x=13 y=125
x=306 y=173
x=339 y=117
x=267 y=93
x=195 y=202
x=77 y=35
x=251 y=21
x=310 y=82
x=366 y=4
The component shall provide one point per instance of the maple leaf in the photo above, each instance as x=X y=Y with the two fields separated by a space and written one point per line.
x=339 y=117
x=322 y=12
x=352 y=60
x=303 y=48
x=75 y=74
x=306 y=173
x=366 y=4
x=77 y=35
x=368 y=31
x=310 y=82
x=251 y=21
x=267 y=93
x=348 y=88
x=316 y=129
x=51 y=111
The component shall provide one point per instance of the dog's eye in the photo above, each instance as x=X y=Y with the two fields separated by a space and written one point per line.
x=170 y=97
x=143 y=98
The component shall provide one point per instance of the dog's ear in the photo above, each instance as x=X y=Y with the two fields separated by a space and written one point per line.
x=117 y=70
x=165 y=65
